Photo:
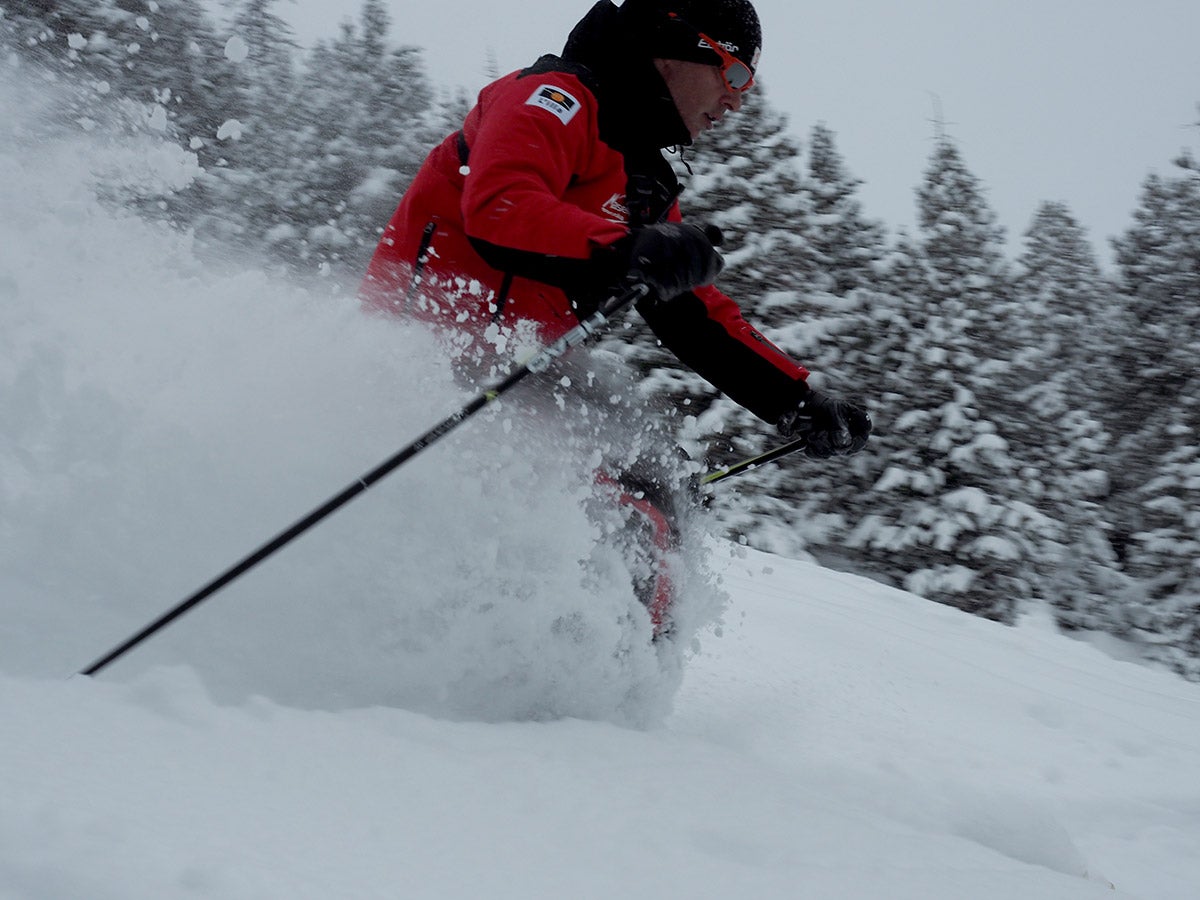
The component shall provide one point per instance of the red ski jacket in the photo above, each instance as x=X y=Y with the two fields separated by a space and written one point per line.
x=519 y=175
x=520 y=215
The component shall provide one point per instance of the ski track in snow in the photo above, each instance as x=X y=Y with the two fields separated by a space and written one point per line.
x=428 y=696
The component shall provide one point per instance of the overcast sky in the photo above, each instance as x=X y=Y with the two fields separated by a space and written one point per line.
x=1071 y=100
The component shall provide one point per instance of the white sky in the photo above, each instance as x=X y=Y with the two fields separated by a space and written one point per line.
x=1071 y=100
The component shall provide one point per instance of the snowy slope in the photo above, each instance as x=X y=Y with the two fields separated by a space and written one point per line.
x=839 y=740
x=429 y=696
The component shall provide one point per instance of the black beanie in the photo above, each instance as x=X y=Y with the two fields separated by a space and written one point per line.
x=731 y=23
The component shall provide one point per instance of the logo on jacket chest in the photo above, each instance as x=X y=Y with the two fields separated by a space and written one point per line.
x=615 y=209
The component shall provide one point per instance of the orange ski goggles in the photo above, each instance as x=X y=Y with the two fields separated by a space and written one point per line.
x=738 y=76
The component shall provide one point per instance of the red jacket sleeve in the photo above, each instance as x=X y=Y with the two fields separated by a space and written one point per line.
x=525 y=151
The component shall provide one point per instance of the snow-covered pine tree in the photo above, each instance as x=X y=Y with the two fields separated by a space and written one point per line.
x=949 y=520
x=1166 y=557
x=161 y=53
x=745 y=178
x=833 y=322
x=121 y=67
x=836 y=254
x=1070 y=318
x=841 y=245
x=367 y=125
x=1159 y=268
x=1156 y=400
x=240 y=199
x=183 y=68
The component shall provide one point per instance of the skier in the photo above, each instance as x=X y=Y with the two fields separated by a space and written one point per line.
x=556 y=189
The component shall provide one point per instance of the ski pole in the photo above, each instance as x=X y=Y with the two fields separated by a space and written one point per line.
x=538 y=363
x=754 y=462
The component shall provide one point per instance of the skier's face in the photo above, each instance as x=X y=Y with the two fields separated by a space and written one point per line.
x=700 y=92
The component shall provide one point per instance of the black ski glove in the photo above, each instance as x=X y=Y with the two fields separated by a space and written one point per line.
x=831 y=427
x=674 y=258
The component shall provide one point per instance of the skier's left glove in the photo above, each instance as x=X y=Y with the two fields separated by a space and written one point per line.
x=831 y=427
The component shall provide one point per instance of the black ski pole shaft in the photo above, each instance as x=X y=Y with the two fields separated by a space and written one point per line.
x=538 y=363
x=754 y=462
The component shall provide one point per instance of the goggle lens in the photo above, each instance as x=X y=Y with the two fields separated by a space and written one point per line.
x=738 y=76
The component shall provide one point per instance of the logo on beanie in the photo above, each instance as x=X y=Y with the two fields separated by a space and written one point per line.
x=555 y=100
x=729 y=47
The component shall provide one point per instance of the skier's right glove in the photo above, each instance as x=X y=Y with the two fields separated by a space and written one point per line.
x=831 y=427
x=673 y=258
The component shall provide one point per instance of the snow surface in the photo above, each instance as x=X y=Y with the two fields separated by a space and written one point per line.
x=429 y=696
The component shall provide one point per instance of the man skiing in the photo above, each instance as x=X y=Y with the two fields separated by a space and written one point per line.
x=555 y=190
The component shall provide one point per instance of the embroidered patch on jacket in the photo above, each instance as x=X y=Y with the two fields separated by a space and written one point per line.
x=556 y=100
